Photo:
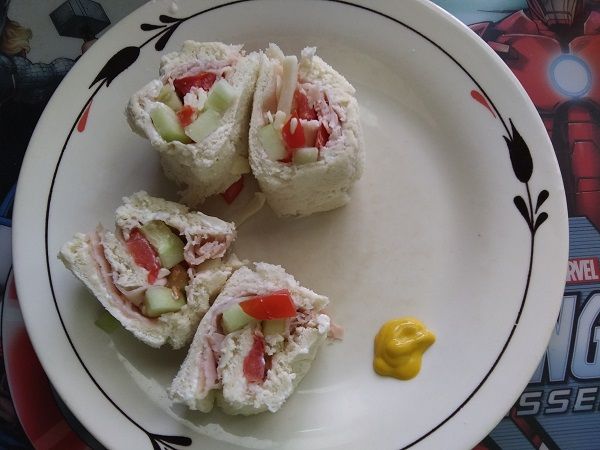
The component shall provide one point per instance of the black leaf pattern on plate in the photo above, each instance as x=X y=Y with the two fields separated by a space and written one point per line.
x=150 y=26
x=542 y=197
x=118 y=63
x=520 y=156
x=522 y=207
x=160 y=441
x=160 y=44
x=540 y=220
x=168 y=19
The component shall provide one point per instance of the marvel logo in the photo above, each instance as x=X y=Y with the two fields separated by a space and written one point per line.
x=583 y=270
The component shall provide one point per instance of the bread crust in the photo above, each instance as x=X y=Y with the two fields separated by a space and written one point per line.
x=300 y=190
x=208 y=167
x=177 y=328
x=292 y=355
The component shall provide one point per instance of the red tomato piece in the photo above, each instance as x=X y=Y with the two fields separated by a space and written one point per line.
x=254 y=362
x=233 y=191
x=186 y=115
x=203 y=80
x=322 y=137
x=293 y=139
x=302 y=109
x=277 y=305
x=143 y=254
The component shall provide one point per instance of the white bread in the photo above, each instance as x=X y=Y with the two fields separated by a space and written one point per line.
x=211 y=166
x=300 y=190
x=85 y=254
x=291 y=355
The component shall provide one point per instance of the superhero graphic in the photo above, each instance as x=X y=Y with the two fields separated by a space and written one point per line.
x=552 y=49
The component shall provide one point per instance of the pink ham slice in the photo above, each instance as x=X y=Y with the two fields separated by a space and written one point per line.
x=105 y=271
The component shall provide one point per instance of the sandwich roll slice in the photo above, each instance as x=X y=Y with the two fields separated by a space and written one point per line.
x=254 y=345
x=196 y=114
x=306 y=143
x=157 y=273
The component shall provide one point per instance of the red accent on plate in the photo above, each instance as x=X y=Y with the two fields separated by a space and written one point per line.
x=84 y=118
x=477 y=96
x=36 y=408
x=12 y=289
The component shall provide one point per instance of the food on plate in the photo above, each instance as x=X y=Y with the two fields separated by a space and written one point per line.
x=158 y=271
x=197 y=116
x=399 y=347
x=254 y=345
x=306 y=143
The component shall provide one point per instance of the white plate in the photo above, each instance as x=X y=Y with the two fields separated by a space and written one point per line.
x=432 y=231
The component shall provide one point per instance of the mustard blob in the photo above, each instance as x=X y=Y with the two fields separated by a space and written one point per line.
x=399 y=347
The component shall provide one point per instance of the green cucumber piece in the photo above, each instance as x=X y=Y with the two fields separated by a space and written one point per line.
x=235 y=318
x=221 y=96
x=106 y=322
x=166 y=123
x=277 y=326
x=203 y=126
x=305 y=155
x=166 y=243
x=169 y=97
x=271 y=141
x=159 y=300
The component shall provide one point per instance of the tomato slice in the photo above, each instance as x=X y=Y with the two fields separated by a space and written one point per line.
x=302 y=109
x=186 y=115
x=233 y=191
x=254 y=362
x=277 y=305
x=203 y=80
x=322 y=137
x=293 y=139
x=143 y=254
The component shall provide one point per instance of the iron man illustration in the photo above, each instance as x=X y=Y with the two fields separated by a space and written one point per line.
x=553 y=48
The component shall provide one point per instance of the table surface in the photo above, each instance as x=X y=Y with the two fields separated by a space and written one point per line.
x=557 y=66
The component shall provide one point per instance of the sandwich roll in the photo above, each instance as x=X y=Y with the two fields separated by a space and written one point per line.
x=305 y=142
x=254 y=345
x=196 y=114
x=158 y=271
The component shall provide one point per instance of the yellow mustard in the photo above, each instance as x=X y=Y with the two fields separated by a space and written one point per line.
x=399 y=347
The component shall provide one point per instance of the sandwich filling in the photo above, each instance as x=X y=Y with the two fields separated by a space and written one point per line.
x=193 y=99
x=274 y=322
x=302 y=118
x=148 y=269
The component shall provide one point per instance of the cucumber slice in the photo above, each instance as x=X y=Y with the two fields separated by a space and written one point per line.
x=221 y=96
x=305 y=155
x=159 y=300
x=166 y=243
x=169 y=97
x=235 y=318
x=204 y=125
x=166 y=123
x=106 y=322
x=277 y=326
x=271 y=141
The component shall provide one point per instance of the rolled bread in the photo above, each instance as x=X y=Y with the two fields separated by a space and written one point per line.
x=210 y=166
x=300 y=190
x=102 y=261
x=213 y=369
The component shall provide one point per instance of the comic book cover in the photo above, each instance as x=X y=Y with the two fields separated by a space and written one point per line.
x=552 y=47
